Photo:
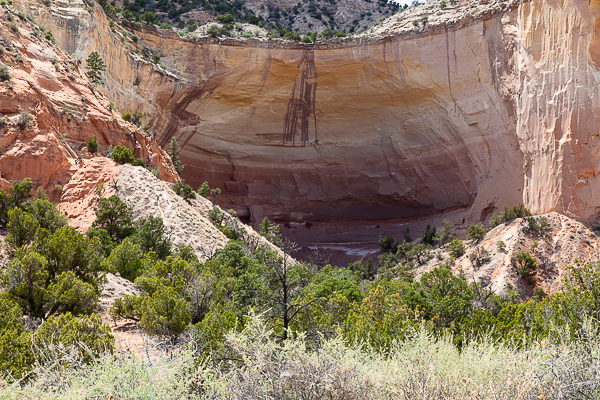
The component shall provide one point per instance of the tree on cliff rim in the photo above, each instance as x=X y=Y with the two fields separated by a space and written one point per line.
x=173 y=152
x=95 y=67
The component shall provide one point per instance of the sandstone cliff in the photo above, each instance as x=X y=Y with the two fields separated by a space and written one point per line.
x=476 y=106
x=49 y=109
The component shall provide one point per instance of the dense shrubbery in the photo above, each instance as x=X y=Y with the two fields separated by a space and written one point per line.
x=54 y=270
x=508 y=214
x=56 y=274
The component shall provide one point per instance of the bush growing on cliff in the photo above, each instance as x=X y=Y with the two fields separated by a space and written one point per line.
x=50 y=37
x=226 y=19
x=173 y=152
x=92 y=145
x=4 y=72
x=457 y=248
x=127 y=260
x=185 y=191
x=215 y=215
x=150 y=235
x=475 y=232
x=204 y=190
x=429 y=236
x=18 y=194
x=445 y=232
x=508 y=214
x=479 y=257
x=271 y=232
x=149 y=18
x=123 y=155
x=25 y=118
x=526 y=265
x=95 y=66
x=540 y=225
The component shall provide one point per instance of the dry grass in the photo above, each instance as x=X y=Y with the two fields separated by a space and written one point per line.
x=258 y=367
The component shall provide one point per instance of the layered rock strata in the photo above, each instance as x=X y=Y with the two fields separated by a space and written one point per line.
x=473 y=106
x=48 y=110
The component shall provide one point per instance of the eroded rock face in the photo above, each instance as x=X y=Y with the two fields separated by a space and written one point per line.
x=485 y=105
x=49 y=110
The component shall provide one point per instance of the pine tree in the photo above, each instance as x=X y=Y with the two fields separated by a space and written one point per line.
x=173 y=152
x=95 y=66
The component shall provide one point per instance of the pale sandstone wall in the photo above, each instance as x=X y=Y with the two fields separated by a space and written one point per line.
x=487 y=105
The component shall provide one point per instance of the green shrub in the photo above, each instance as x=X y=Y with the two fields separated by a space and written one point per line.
x=204 y=190
x=50 y=37
x=126 y=259
x=68 y=250
x=123 y=155
x=508 y=214
x=214 y=193
x=479 y=257
x=150 y=235
x=22 y=228
x=475 y=232
x=126 y=116
x=185 y=191
x=24 y=118
x=387 y=244
x=70 y=294
x=138 y=162
x=271 y=232
x=114 y=216
x=95 y=66
x=13 y=26
x=165 y=314
x=92 y=145
x=445 y=232
x=500 y=246
x=215 y=215
x=148 y=17
x=46 y=215
x=429 y=236
x=106 y=242
x=541 y=226
x=87 y=334
x=173 y=152
x=457 y=248
x=226 y=19
x=4 y=72
x=526 y=265
x=16 y=356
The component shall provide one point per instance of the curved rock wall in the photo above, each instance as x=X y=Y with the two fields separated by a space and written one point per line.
x=483 y=107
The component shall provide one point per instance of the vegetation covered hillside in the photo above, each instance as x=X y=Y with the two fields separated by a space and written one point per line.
x=247 y=312
x=280 y=18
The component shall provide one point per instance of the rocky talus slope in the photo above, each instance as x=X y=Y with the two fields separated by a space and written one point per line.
x=568 y=242
x=478 y=105
x=187 y=222
x=49 y=109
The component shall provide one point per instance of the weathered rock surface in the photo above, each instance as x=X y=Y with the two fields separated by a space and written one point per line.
x=569 y=242
x=63 y=112
x=483 y=105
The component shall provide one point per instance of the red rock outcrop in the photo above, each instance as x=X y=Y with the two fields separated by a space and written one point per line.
x=49 y=110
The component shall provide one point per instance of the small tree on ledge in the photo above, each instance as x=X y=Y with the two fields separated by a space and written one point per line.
x=95 y=66
x=173 y=152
